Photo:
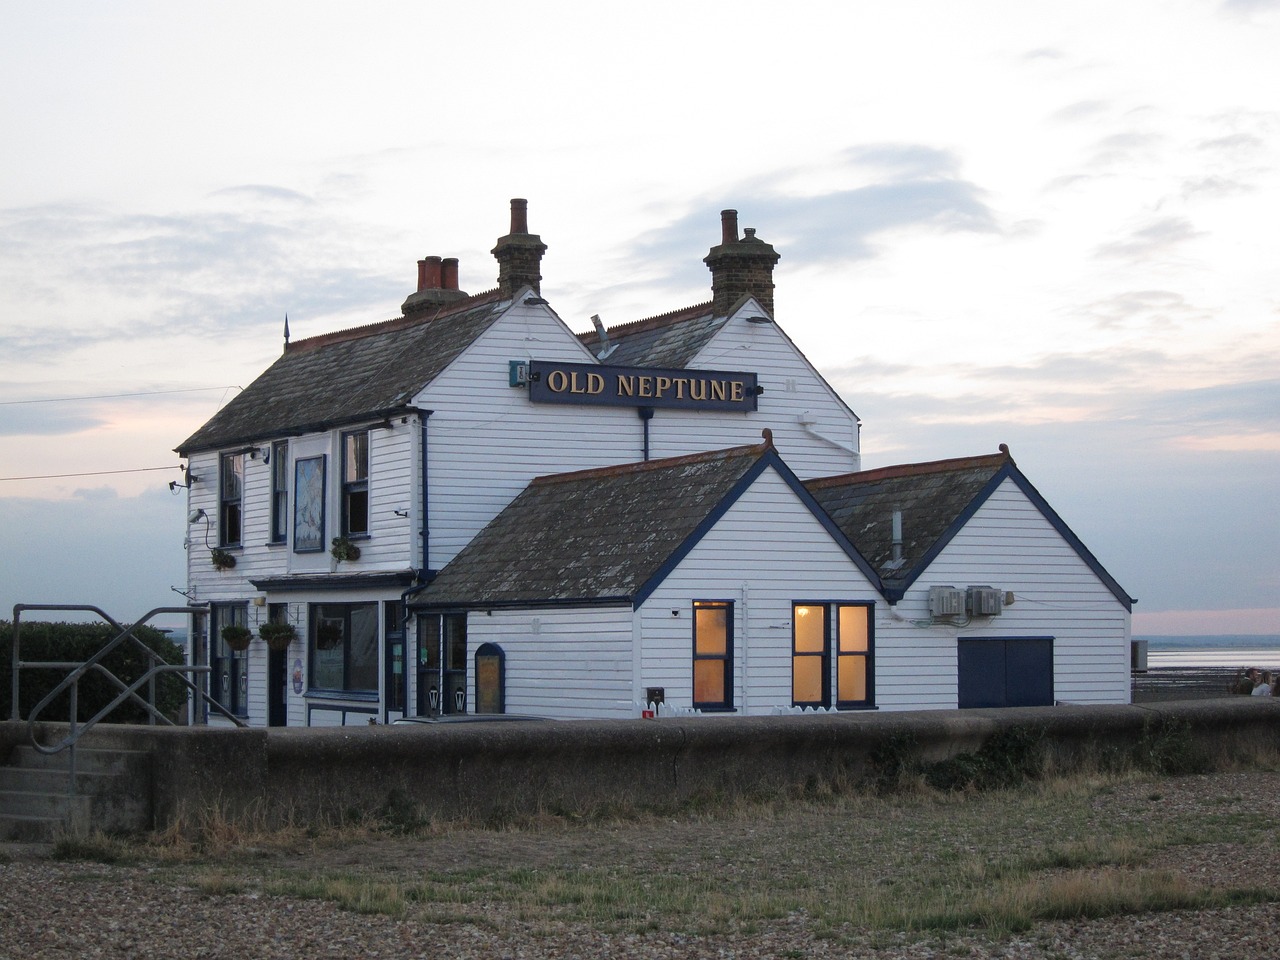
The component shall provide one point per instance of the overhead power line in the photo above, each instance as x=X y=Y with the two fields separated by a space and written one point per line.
x=94 y=473
x=116 y=396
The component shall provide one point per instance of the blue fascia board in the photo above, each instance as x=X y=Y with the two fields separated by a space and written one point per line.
x=769 y=458
x=1011 y=472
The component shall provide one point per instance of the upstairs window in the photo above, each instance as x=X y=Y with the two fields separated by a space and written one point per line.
x=231 y=499
x=279 y=491
x=355 y=483
x=712 y=655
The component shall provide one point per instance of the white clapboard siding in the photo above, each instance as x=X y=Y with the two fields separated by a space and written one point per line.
x=1009 y=545
x=762 y=569
x=486 y=441
x=561 y=662
x=793 y=392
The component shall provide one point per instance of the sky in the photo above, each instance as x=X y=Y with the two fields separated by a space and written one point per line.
x=1041 y=224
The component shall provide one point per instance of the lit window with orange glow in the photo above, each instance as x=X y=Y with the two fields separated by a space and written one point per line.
x=713 y=655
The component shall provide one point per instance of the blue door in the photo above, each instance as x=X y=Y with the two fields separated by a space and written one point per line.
x=1006 y=672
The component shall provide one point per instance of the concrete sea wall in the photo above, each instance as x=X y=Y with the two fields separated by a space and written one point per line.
x=485 y=771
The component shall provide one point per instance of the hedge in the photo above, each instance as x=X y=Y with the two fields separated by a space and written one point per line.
x=75 y=643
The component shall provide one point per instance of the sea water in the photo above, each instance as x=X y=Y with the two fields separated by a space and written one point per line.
x=1224 y=650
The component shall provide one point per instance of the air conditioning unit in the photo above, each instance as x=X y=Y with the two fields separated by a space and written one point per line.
x=946 y=602
x=984 y=601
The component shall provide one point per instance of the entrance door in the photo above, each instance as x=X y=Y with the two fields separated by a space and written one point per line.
x=442 y=664
x=1006 y=672
x=277 y=687
x=396 y=679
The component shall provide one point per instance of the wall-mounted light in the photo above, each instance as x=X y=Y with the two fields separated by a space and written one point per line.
x=188 y=478
x=196 y=514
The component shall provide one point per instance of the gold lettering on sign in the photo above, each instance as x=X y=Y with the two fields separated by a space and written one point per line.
x=664 y=384
x=681 y=383
x=557 y=381
x=595 y=383
x=646 y=386
x=698 y=389
x=718 y=391
x=737 y=394
x=626 y=385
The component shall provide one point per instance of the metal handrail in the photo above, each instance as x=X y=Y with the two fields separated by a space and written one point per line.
x=128 y=692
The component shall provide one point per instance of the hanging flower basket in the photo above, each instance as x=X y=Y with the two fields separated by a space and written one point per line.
x=222 y=560
x=236 y=637
x=328 y=636
x=344 y=549
x=277 y=636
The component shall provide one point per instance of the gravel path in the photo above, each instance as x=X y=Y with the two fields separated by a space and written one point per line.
x=54 y=909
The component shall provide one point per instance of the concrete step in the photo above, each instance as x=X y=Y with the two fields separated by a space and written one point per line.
x=88 y=760
x=52 y=781
x=31 y=803
x=30 y=829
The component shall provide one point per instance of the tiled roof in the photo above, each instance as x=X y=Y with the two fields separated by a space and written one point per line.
x=668 y=340
x=932 y=497
x=594 y=535
x=343 y=377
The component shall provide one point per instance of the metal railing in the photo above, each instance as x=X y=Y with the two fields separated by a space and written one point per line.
x=128 y=692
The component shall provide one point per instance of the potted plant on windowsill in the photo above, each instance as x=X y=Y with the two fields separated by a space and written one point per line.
x=236 y=637
x=344 y=549
x=277 y=636
x=221 y=559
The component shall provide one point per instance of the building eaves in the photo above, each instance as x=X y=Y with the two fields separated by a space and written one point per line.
x=338 y=378
x=594 y=535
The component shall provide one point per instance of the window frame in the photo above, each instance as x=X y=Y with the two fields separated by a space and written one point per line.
x=725 y=657
x=308 y=529
x=279 y=532
x=355 y=455
x=823 y=654
x=328 y=613
x=231 y=507
x=868 y=656
x=237 y=661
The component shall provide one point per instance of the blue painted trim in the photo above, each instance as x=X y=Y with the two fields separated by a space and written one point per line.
x=1009 y=471
x=437 y=606
x=342 y=709
x=768 y=459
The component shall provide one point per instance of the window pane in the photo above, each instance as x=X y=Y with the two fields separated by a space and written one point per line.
x=811 y=629
x=853 y=629
x=329 y=652
x=852 y=679
x=357 y=457
x=710 y=630
x=455 y=633
x=429 y=642
x=708 y=681
x=806 y=682
x=362 y=667
x=232 y=474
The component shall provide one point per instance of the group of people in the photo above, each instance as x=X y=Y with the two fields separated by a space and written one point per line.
x=1258 y=683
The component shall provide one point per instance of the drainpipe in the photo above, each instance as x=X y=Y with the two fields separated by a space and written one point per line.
x=646 y=414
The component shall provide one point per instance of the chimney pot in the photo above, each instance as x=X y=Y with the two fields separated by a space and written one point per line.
x=728 y=226
x=429 y=274
x=519 y=216
x=449 y=273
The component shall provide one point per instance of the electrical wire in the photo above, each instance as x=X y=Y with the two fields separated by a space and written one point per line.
x=116 y=396
x=93 y=473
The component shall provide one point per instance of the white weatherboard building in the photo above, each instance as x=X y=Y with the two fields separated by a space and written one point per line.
x=470 y=508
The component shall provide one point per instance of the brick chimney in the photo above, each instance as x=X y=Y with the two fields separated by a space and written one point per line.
x=437 y=284
x=519 y=254
x=740 y=267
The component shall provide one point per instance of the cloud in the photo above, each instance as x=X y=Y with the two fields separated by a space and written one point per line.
x=1080 y=110
x=45 y=419
x=105 y=275
x=1155 y=237
x=1154 y=309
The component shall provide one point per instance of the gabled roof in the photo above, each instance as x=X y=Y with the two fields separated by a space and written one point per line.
x=667 y=340
x=352 y=375
x=936 y=499
x=609 y=535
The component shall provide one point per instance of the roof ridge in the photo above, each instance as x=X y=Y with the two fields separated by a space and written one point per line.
x=394 y=324
x=650 y=323
x=642 y=466
x=913 y=469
